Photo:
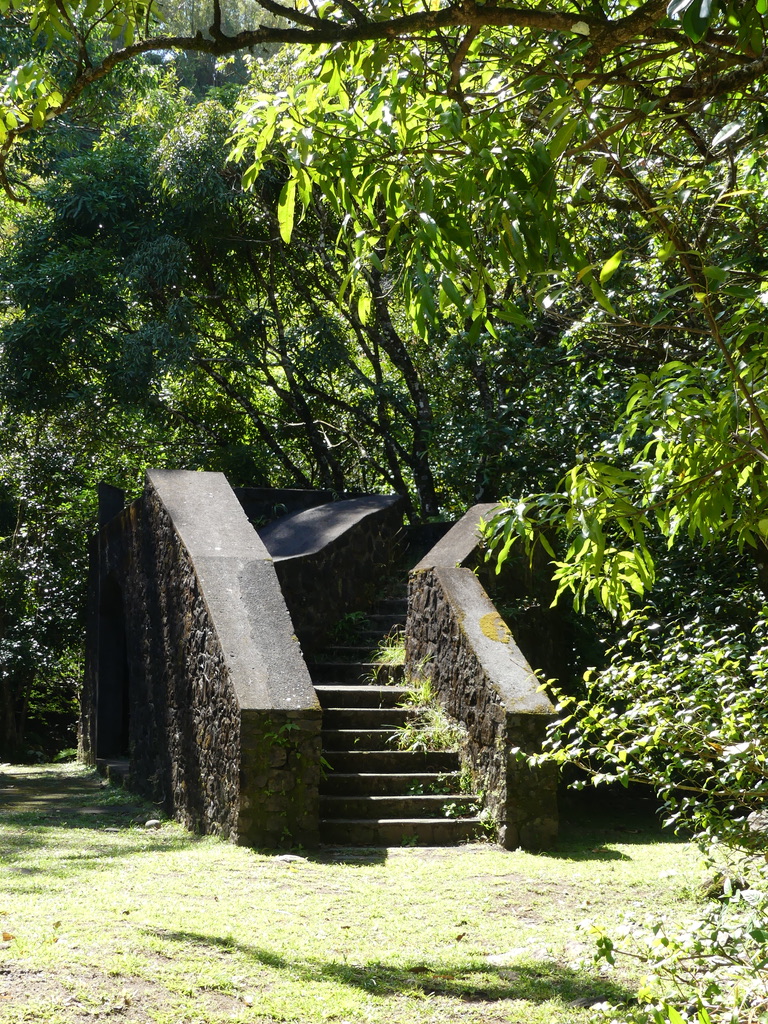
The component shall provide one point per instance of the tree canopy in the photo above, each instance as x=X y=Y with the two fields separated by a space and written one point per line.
x=672 y=57
x=469 y=171
x=462 y=249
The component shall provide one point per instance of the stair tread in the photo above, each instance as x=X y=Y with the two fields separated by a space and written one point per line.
x=416 y=776
x=473 y=819
x=353 y=731
x=432 y=797
x=362 y=687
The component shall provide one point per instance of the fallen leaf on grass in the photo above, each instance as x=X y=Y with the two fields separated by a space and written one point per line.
x=7 y=936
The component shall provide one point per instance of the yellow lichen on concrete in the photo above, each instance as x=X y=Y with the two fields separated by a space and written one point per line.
x=495 y=628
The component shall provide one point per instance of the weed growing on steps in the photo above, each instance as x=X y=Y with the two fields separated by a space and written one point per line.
x=430 y=727
x=347 y=630
x=390 y=654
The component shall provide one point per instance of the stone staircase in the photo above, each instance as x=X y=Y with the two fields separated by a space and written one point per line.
x=372 y=793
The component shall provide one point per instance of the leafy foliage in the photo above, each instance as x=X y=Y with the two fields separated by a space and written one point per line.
x=715 y=969
x=680 y=709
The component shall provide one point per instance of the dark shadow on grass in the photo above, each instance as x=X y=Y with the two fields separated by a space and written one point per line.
x=530 y=981
x=353 y=856
x=594 y=819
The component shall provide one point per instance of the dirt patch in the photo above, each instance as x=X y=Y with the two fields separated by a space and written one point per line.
x=87 y=997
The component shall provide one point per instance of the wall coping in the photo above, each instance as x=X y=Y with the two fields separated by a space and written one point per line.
x=309 y=531
x=492 y=643
x=240 y=587
x=458 y=546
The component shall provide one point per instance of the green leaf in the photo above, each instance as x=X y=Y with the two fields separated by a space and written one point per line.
x=611 y=266
x=726 y=133
x=715 y=273
x=676 y=8
x=559 y=144
x=697 y=18
x=285 y=210
x=601 y=297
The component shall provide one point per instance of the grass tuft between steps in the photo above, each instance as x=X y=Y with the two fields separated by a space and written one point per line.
x=103 y=919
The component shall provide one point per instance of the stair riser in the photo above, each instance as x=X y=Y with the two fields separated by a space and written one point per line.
x=360 y=696
x=400 y=833
x=393 y=606
x=397 y=761
x=378 y=807
x=386 y=784
x=365 y=718
x=386 y=622
x=359 y=739
x=355 y=672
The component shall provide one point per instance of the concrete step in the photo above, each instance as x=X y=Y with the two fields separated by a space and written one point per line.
x=116 y=770
x=347 y=653
x=425 y=805
x=393 y=605
x=387 y=621
x=359 y=739
x=355 y=672
x=345 y=670
x=360 y=696
x=365 y=718
x=376 y=635
x=400 y=831
x=399 y=762
x=388 y=783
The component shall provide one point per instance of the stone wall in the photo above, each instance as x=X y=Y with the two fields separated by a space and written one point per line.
x=330 y=560
x=193 y=669
x=525 y=590
x=455 y=636
x=185 y=718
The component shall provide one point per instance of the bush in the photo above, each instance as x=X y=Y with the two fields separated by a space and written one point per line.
x=685 y=710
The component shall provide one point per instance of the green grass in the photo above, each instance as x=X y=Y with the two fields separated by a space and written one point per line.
x=112 y=921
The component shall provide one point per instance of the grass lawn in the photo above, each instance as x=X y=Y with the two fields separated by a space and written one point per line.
x=103 y=919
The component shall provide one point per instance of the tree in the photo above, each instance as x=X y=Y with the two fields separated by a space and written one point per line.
x=552 y=170
x=143 y=274
x=692 y=42
x=483 y=156
x=491 y=159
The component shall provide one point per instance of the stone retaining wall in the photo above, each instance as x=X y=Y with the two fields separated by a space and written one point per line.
x=194 y=670
x=330 y=560
x=455 y=637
